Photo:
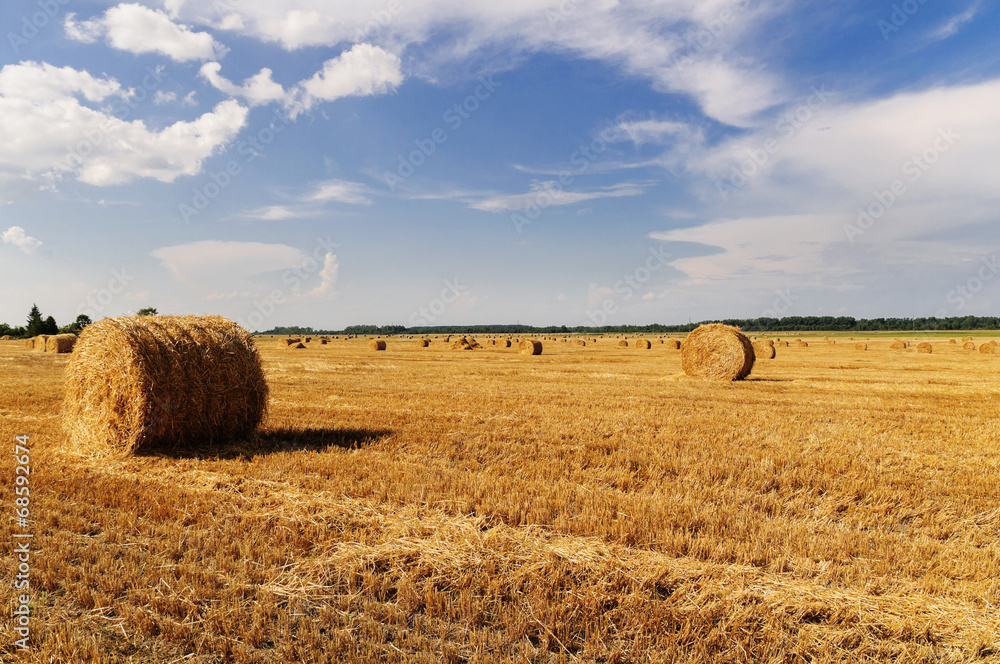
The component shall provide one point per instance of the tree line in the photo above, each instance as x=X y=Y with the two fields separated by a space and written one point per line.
x=36 y=324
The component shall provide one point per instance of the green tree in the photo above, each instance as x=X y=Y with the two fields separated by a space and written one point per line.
x=82 y=321
x=147 y=311
x=49 y=326
x=35 y=322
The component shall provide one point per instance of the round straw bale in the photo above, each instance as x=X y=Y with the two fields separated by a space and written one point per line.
x=965 y=339
x=782 y=344
x=309 y=340
x=952 y=341
x=897 y=345
x=717 y=352
x=149 y=380
x=924 y=347
x=831 y=341
x=323 y=342
x=673 y=344
x=988 y=349
x=969 y=345
x=40 y=342
x=861 y=346
x=580 y=342
x=530 y=347
x=623 y=343
x=376 y=344
x=423 y=343
x=763 y=349
x=504 y=343
x=60 y=343
x=643 y=344
x=801 y=344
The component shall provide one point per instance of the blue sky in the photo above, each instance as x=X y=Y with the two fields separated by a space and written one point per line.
x=549 y=162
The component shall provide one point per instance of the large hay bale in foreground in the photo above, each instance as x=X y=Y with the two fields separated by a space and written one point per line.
x=898 y=344
x=152 y=380
x=530 y=347
x=763 y=349
x=988 y=349
x=717 y=352
x=861 y=346
x=673 y=344
x=643 y=344
x=924 y=347
x=376 y=344
x=60 y=343
x=969 y=345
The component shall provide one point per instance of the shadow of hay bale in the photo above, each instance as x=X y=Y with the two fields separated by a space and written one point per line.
x=271 y=441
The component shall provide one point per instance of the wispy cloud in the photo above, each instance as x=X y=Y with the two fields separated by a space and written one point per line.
x=548 y=194
x=954 y=24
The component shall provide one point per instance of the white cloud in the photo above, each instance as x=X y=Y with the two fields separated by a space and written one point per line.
x=258 y=89
x=224 y=266
x=342 y=191
x=364 y=70
x=273 y=213
x=328 y=278
x=955 y=24
x=48 y=134
x=139 y=29
x=16 y=236
x=161 y=98
x=550 y=194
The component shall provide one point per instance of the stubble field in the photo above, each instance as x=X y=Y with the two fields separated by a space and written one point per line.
x=588 y=504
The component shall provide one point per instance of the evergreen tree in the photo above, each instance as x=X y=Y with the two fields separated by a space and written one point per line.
x=148 y=311
x=49 y=326
x=35 y=322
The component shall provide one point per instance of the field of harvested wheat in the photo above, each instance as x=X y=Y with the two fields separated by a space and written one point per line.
x=426 y=504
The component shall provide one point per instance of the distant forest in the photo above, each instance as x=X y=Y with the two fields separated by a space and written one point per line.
x=788 y=324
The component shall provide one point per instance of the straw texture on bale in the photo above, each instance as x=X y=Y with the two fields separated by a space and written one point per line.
x=5 y=337
x=504 y=343
x=423 y=343
x=897 y=345
x=924 y=348
x=673 y=344
x=717 y=352
x=530 y=347
x=643 y=344
x=29 y=343
x=861 y=346
x=580 y=342
x=296 y=345
x=60 y=343
x=763 y=349
x=988 y=349
x=290 y=342
x=40 y=342
x=783 y=344
x=152 y=380
x=623 y=343
x=952 y=341
x=801 y=344
x=376 y=344
x=969 y=345
x=964 y=339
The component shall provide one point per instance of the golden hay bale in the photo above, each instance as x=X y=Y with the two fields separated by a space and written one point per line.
x=924 y=347
x=861 y=346
x=969 y=345
x=623 y=343
x=148 y=380
x=309 y=340
x=29 y=343
x=289 y=341
x=988 y=349
x=580 y=342
x=60 y=343
x=966 y=339
x=952 y=341
x=40 y=342
x=643 y=344
x=5 y=337
x=295 y=346
x=423 y=343
x=783 y=344
x=763 y=349
x=717 y=352
x=897 y=345
x=376 y=344
x=505 y=343
x=673 y=344
x=801 y=344
x=831 y=341
x=530 y=347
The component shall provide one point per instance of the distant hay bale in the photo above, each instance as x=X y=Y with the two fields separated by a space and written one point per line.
x=924 y=347
x=296 y=346
x=969 y=345
x=530 y=347
x=423 y=343
x=308 y=340
x=623 y=343
x=289 y=341
x=861 y=346
x=763 y=349
x=966 y=339
x=324 y=342
x=952 y=341
x=782 y=344
x=717 y=352
x=988 y=349
x=504 y=343
x=376 y=344
x=141 y=381
x=898 y=344
x=580 y=342
x=831 y=341
x=801 y=344
x=643 y=344
x=40 y=342
x=60 y=343
x=5 y=337
x=29 y=343
x=672 y=344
